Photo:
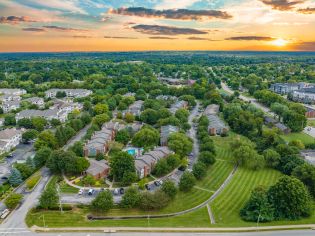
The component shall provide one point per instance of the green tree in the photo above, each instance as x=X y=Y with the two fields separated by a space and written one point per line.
x=101 y=119
x=46 y=139
x=38 y=123
x=182 y=114
x=123 y=136
x=180 y=144
x=153 y=201
x=77 y=148
x=24 y=169
x=187 y=182
x=42 y=156
x=131 y=198
x=207 y=158
x=147 y=137
x=15 y=178
x=290 y=199
x=13 y=200
x=257 y=208
x=9 y=119
x=103 y=201
x=272 y=158
x=29 y=135
x=101 y=108
x=129 y=117
x=169 y=188
x=25 y=123
x=149 y=116
x=49 y=198
x=88 y=180
x=199 y=170
x=121 y=163
x=306 y=173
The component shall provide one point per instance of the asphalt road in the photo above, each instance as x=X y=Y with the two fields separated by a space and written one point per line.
x=26 y=232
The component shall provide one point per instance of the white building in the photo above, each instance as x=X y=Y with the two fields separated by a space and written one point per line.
x=9 y=139
x=306 y=95
x=75 y=93
x=8 y=91
x=36 y=101
x=10 y=105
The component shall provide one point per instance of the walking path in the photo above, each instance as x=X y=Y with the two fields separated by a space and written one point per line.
x=211 y=216
x=177 y=230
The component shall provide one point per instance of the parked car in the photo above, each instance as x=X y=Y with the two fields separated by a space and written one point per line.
x=122 y=190
x=157 y=183
x=81 y=191
x=91 y=192
x=147 y=187
x=161 y=182
x=116 y=191
x=10 y=155
x=4 y=177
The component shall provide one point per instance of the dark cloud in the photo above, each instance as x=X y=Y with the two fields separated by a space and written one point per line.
x=304 y=46
x=178 y=14
x=15 y=19
x=118 y=37
x=165 y=30
x=253 y=38
x=82 y=36
x=200 y=38
x=282 y=5
x=161 y=37
x=309 y=10
x=63 y=29
x=34 y=29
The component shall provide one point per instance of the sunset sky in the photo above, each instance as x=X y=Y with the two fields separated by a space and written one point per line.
x=132 y=25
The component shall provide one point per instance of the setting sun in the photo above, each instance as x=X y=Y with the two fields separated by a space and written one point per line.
x=280 y=42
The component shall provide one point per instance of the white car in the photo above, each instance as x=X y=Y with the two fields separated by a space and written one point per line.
x=81 y=191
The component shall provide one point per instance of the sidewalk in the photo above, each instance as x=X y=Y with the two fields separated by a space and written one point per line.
x=152 y=229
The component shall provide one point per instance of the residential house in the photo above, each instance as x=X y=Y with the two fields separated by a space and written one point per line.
x=9 y=98
x=273 y=122
x=135 y=108
x=166 y=97
x=36 y=101
x=166 y=131
x=285 y=88
x=216 y=125
x=178 y=105
x=10 y=106
x=75 y=93
x=310 y=112
x=9 y=138
x=145 y=163
x=8 y=91
x=98 y=169
x=305 y=95
x=99 y=142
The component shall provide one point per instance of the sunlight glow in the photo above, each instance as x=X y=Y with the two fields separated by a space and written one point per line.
x=280 y=42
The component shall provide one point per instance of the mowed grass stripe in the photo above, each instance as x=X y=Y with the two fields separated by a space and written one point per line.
x=227 y=206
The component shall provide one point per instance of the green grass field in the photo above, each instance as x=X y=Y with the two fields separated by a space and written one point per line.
x=227 y=206
x=305 y=138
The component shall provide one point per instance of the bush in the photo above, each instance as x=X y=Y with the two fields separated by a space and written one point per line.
x=207 y=158
x=153 y=201
x=199 y=170
x=187 y=182
x=103 y=201
x=131 y=198
x=169 y=188
x=13 y=200
x=32 y=181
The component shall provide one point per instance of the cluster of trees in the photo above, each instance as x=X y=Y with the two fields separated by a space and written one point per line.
x=292 y=114
x=243 y=118
x=147 y=137
x=21 y=171
x=288 y=199
x=63 y=132
x=180 y=144
x=123 y=168
x=166 y=165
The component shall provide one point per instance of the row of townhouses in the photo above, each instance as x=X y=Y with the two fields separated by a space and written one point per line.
x=216 y=125
x=178 y=105
x=9 y=139
x=134 y=108
x=145 y=163
x=74 y=93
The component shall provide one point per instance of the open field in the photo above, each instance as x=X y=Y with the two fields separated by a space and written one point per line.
x=227 y=206
x=305 y=138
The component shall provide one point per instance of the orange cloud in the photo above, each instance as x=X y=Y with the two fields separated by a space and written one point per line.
x=15 y=19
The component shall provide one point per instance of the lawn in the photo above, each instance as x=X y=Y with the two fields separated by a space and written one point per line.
x=227 y=206
x=77 y=218
x=311 y=123
x=305 y=138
